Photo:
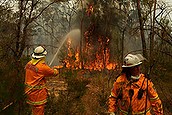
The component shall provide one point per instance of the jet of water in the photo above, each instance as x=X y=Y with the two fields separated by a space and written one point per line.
x=72 y=34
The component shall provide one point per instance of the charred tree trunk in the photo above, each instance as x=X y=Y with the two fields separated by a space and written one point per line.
x=122 y=45
x=81 y=44
x=142 y=36
x=152 y=33
x=142 y=29
x=81 y=39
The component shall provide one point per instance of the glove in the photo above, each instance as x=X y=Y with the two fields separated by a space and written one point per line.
x=112 y=113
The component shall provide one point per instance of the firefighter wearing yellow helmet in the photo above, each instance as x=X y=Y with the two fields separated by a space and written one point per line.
x=132 y=92
x=36 y=71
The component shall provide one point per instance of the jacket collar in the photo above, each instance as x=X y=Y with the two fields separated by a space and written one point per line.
x=35 y=61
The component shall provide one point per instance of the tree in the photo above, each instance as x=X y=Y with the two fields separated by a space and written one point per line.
x=55 y=23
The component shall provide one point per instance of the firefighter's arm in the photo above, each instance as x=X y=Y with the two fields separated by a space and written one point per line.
x=154 y=99
x=49 y=71
x=112 y=104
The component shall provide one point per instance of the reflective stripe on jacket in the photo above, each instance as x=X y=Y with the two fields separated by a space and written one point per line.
x=35 y=87
x=122 y=104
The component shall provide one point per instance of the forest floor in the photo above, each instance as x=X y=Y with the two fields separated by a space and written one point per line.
x=98 y=90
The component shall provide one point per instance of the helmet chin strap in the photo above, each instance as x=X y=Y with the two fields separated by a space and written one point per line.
x=135 y=77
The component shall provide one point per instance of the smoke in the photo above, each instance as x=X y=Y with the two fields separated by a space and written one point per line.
x=132 y=44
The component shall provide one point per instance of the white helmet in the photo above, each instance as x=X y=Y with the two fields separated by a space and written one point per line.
x=39 y=52
x=133 y=60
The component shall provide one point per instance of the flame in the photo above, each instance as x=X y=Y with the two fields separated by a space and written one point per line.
x=100 y=62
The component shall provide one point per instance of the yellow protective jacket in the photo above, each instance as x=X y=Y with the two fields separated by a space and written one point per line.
x=36 y=71
x=119 y=100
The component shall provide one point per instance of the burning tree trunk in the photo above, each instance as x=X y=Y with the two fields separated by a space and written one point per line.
x=81 y=40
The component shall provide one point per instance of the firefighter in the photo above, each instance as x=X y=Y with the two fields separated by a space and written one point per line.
x=133 y=93
x=36 y=71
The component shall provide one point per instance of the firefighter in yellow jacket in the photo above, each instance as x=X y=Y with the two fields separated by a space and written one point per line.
x=36 y=71
x=132 y=92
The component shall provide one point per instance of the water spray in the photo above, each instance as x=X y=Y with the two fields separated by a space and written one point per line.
x=57 y=51
x=72 y=34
